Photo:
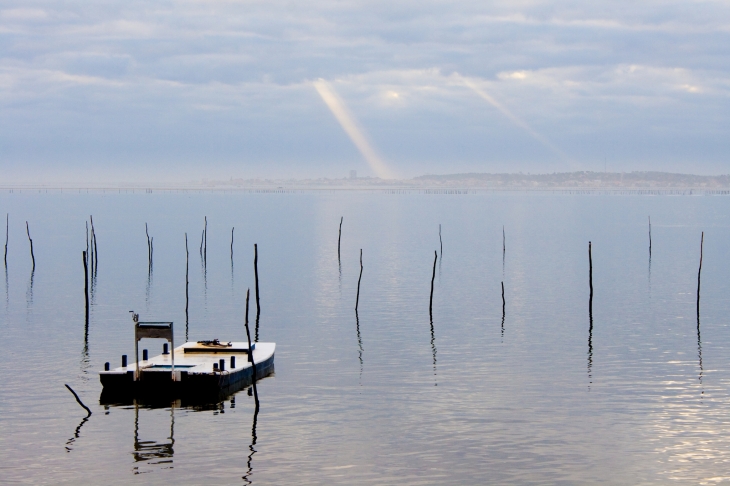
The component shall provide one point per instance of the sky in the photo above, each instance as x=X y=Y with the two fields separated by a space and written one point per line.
x=111 y=91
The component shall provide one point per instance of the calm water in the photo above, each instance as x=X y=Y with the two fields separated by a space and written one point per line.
x=386 y=396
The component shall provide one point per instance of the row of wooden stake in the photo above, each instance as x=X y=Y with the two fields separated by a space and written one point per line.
x=7 y=234
x=504 y=249
x=89 y=256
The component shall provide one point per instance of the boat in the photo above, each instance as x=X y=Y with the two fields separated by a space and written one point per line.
x=193 y=370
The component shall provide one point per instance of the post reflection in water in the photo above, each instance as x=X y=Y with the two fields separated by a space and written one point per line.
x=433 y=350
x=247 y=477
x=699 y=350
x=29 y=292
x=92 y=287
x=77 y=434
x=85 y=360
x=7 y=290
x=590 y=342
x=149 y=286
x=504 y=304
x=151 y=452
x=204 y=271
x=359 y=343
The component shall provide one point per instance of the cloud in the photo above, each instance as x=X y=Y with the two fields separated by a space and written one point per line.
x=644 y=83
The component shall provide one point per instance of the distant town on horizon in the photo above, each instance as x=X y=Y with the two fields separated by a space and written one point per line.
x=519 y=180
x=579 y=180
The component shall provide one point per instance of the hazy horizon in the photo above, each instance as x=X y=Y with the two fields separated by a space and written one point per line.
x=186 y=90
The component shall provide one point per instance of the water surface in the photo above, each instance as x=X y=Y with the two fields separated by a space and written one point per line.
x=637 y=392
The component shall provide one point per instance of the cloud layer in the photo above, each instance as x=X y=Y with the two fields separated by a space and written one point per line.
x=191 y=89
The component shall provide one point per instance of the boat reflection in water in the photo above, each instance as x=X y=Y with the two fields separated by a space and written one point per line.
x=151 y=452
x=159 y=453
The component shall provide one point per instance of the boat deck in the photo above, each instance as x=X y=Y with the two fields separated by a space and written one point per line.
x=196 y=369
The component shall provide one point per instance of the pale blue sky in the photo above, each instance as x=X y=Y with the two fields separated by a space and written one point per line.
x=163 y=90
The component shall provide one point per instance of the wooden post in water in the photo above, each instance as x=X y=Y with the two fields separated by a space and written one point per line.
x=149 y=249
x=32 y=256
x=86 y=284
x=205 y=238
x=339 y=238
x=433 y=277
x=187 y=268
x=7 y=221
x=87 y=238
x=93 y=245
x=504 y=244
x=256 y=276
x=649 y=236
x=590 y=268
x=699 y=274
x=250 y=355
x=90 y=252
x=232 y=242
x=441 y=242
x=357 y=299
x=590 y=278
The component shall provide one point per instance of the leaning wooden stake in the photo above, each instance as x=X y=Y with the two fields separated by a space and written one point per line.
x=357 y=299
x=433 y=277
x=79 y=400
x=86 y=283
x=27 y=230
x=339 y=237
x=250 y=354
x=699 y=274
x=256 y=276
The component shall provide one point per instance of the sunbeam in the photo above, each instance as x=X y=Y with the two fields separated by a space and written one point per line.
x=353 y=130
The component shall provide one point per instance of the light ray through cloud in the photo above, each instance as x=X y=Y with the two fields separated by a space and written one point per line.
x=353 y=130
x=512 y=117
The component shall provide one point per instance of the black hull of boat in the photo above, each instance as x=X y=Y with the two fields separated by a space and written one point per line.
x=155 y=385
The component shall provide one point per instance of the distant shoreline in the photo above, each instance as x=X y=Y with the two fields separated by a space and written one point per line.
x=562 y=182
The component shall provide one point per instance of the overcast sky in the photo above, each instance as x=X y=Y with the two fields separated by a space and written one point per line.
x=181 y=90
